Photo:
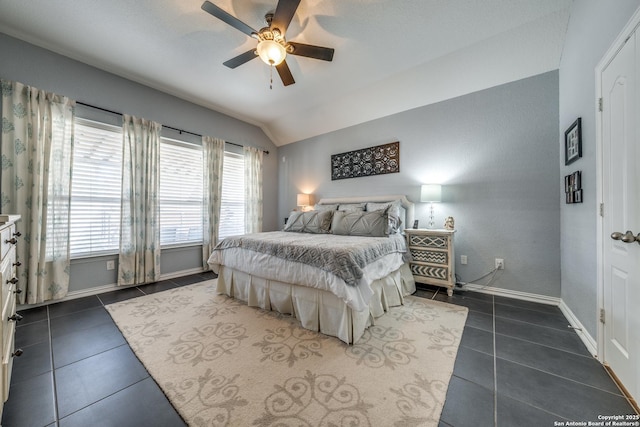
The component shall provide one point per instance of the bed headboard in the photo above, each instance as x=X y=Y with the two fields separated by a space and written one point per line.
x=406 y=204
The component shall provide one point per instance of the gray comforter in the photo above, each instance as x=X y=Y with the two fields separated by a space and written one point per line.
x=343 y=256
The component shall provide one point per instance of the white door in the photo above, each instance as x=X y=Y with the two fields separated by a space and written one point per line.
x=621 y=221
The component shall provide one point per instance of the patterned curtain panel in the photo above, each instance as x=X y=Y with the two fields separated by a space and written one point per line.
x=213 y=159
x=139 y=260
x=37 y=151
x=253 y=189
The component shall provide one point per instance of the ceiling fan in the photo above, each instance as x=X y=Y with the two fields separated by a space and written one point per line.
x=272 y=45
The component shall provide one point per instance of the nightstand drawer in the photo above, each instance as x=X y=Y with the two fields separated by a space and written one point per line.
x=429 y=241
x=432 y=257
x=429 y=271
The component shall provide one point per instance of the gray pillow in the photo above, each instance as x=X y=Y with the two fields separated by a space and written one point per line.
x=348 y=207
x=356 y=223
x=395 y=212
x=318 y=222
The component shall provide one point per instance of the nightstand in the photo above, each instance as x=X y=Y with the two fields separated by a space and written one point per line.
x=433 y=260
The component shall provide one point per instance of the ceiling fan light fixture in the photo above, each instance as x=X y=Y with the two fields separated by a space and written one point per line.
x=271 y=52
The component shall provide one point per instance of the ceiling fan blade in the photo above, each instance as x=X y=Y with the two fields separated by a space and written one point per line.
x=285 y=73
x=227 y=18
x=284 y=14
x=241 y=59
x=310 y=51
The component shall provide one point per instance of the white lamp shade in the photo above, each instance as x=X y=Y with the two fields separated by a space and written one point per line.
x=431 y=193
x=304 y=199
x=271 y=52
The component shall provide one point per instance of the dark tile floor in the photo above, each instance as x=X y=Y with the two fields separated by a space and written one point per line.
x=518 y=365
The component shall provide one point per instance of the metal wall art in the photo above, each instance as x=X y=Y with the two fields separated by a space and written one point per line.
x=377 y=160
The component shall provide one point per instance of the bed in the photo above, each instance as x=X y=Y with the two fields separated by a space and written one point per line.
x=336 y=268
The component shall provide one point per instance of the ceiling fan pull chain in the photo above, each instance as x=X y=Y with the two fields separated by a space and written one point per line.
x=271 y=77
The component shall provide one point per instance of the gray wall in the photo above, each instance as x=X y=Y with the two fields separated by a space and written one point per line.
x=46 y=70
x=496 y=154
x=593 y=26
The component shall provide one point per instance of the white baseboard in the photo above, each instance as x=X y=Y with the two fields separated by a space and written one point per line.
x=587 y=339
x=97 y=290
x=508 y=293
x=182 y=273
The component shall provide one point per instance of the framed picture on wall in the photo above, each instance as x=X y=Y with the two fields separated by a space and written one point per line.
x=573 y=187
x=576 y=181
x=577 y=196
x=573 y=142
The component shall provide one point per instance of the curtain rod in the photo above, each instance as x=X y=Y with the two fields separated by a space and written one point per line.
x=164 y=126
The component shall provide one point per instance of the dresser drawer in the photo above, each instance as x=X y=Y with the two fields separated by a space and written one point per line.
x=7 y=366
x=7 y=276
x=8 y=300
x=5 y=237
x=8 y=326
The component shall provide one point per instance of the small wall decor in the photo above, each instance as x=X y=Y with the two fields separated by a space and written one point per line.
x=449 y=223
x=573 y=187
x=377 y=160
x=573 y=142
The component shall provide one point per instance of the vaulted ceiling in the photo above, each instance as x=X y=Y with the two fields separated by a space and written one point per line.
x=390 y=55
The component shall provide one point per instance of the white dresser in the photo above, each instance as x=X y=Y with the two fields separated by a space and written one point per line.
x=9 y=281
x=432 y=257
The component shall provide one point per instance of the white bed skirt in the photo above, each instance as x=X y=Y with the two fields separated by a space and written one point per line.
x=318 y=310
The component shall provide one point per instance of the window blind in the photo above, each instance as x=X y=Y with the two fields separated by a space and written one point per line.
x=95 y=189
x=232 y=201
x=181 y=192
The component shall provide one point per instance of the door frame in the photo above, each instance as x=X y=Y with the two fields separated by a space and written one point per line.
x=613 y=50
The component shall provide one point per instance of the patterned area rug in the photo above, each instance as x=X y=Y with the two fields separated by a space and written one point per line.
x=222 y=363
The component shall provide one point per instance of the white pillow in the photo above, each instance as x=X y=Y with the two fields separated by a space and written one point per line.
x=318 y=207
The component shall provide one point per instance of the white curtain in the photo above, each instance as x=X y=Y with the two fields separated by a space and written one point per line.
x=253 y=189
x=139 y=260
x=213 y=160
x=37 y=152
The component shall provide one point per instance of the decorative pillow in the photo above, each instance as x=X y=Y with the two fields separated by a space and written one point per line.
x=318 y=222
x=395 y=212
x=349 y=207
x=318 y=207
x=356 y=223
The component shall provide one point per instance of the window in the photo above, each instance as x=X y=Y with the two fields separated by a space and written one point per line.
x=232 y=201
x=181 y=192
x=95 y=189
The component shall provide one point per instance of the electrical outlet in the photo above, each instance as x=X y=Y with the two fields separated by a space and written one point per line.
x=111 y=265
x=463 y=259
x=499 y=264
